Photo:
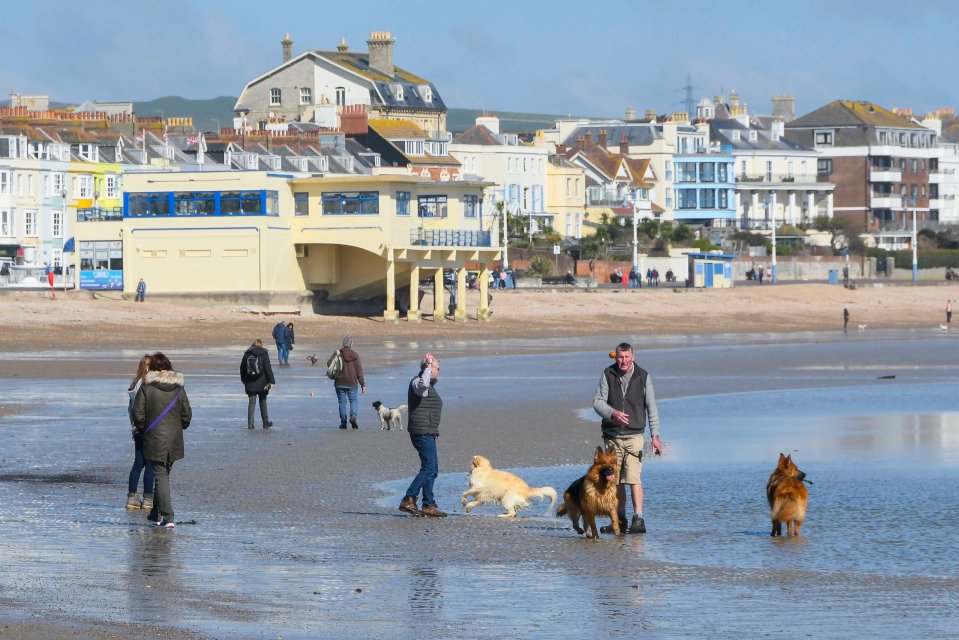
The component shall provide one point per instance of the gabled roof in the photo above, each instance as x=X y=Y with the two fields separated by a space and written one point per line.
x=852 y=113
x=610 y=164
x=722 y=132
x=398 y=129
x=478 y=135
x=360 y=63
x=637 y=134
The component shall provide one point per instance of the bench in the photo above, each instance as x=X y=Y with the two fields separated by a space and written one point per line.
x=558 y=280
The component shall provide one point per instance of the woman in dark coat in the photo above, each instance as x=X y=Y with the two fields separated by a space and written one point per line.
x=257 y=376
x=161 y=412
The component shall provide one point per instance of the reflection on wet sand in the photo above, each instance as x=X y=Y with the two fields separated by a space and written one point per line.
x=426 y=591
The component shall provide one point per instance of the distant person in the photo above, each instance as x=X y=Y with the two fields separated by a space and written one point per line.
x=845 y=319
x=760 y=273
x=649 y=277
x=502 y=279
x=570 y=278
x=346 y=382
x=161 y=411
x=633 y=278
x=257 y=377
x=50 y=271
x=141 y=291
x=289 y=325
x=5 y=269
x=670 y=276
x=139 y=465
x=655 y=277
x=948 y=311
x=591 y=264
x=423 y=424
x=845 y=276
x=281 y=334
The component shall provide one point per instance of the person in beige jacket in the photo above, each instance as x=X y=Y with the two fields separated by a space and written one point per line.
x=346 y=382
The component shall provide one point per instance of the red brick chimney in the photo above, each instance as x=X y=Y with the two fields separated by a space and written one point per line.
x=354 y=119
x=623 y=144
x=603 y=139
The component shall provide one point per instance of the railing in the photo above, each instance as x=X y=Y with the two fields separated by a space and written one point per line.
x=449 y=238
x=776 y=177
x=606 y=202
x=99 y=214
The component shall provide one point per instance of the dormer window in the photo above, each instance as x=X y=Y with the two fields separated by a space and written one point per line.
x=824 y=138
x=87 y=152
x=398 y=92
x=753 y=136
x=427 y=92
x=735 y=136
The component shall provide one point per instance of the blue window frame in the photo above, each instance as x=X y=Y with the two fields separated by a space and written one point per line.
x=470 y=206
x=301 y=203
x=402 y=203
x=723 y=197
x=685 y=172
x=686 y=198
x=201 y=203
x=351 y=202
x=431 y=206
x=707 y=199
x=721 y=172
x=707 y=172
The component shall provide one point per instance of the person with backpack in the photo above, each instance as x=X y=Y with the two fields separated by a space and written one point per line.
x=284 y=338
x=257 y=376
x=346 y=370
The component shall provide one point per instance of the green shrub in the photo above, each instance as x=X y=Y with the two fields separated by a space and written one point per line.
x=540 y=267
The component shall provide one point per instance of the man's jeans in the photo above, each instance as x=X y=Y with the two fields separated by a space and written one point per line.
x=429 y=468
x=349 y=404
x=283 y=352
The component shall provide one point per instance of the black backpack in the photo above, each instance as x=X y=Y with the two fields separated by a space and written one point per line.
x=251 y=367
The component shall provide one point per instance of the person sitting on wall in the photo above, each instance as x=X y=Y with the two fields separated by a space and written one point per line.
x=570 y=279
x=670 y=276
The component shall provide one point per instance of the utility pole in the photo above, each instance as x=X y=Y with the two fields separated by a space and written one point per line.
x=915 y=249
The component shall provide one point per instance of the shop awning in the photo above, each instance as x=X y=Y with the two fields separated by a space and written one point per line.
x=9 y=250
x=68 y=246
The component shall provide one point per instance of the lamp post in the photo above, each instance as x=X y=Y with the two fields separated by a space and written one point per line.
x=505 y=211
x=915 y=249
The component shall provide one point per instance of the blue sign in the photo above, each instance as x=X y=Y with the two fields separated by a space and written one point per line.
x=102 y=279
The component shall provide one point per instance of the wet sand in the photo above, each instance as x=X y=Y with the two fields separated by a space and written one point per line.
x=297 y=534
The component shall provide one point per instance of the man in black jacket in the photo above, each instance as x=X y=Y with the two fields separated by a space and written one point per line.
x=257 y=376
x=423 y=425
x=624 y=399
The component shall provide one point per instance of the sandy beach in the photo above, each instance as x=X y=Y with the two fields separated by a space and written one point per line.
x=77 y=320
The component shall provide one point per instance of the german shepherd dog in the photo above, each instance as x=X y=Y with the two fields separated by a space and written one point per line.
x=488 y=485
x=593 y=495
x=787 y=497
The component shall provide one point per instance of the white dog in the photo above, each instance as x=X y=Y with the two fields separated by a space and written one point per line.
x=390 y=418
x=488 y=485
x=862 y=328
x=944 y=328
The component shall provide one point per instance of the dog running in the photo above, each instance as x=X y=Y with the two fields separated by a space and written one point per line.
x=787 y=497
x=593 y=495
x=488 y=485
x=390 y=418
x=312 y=359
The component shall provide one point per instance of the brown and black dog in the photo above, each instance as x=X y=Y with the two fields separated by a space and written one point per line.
x=593 y=495
x=787 y=497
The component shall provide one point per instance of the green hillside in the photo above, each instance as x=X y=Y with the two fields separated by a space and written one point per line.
x=205 y=113
x=459 y=120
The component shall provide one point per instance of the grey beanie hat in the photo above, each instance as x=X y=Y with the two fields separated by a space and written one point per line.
x=348 y=342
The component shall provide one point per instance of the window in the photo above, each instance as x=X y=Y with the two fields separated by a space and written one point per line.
x=306 y=95
x=912 y=165
x=276 y=96
x=4 y=182
x=685 y=172
x=525 y=198
x=723 y=199
x=707 y=172
x=56 y=224
x=742 y=168
x=708 y=198
x=687 y=198
x=735 y=136
x=5 y=225
x=914 y=192
x=721 y=172
x=30 y=183
x=669 y=198
x=824 y=138
x=83 y=187
x=923 y=191
x=824 y=166
x=922 y=164
x=789 y=169
x=29 y=223
x=351 y=202
x=402 y=203
x=88 y=152
x=753 y=136
x=669 y=170
x=398 y=92
x=301 y=203
x=110 y=182
x=431 y=206
x=427 y=92
x=340 y=93
x=59 y=184
x=470 y=206
x=569 y=187
x=201 y=203
x=769 y=171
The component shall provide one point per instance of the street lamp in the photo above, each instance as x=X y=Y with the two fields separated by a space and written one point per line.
x=771 y=214
x=915 y=249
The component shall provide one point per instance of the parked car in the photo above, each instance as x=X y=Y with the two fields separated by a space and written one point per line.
x=450 y=279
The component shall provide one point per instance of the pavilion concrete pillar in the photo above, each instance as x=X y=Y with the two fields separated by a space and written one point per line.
x=773 y=203
x=483 y=312
x=792 y=208
x=753 y=208
x=413 y=315
x=740 y=211
x=829 y=205
x=459 y=314
x=439 y=297
x=390 y=314
x=811 y=197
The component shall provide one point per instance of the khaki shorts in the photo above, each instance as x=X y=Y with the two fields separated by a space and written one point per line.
x=629 y=455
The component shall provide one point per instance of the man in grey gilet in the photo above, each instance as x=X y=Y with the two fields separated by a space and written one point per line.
x=624 y=399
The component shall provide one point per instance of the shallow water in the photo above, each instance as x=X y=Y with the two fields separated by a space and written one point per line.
x=297 y=533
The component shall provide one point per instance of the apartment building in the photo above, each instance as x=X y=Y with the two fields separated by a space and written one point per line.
x=879 y=162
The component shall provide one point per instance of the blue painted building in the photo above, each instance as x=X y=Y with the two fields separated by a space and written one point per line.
x=705 y=188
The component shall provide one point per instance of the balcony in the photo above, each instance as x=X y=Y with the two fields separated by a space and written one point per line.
x=939 y=176
x=886 y=201
x=885 y=174
x=449 y=238
x=99 y=214
x=786 y=180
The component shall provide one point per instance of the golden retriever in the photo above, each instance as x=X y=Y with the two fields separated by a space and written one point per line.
x=488 y=485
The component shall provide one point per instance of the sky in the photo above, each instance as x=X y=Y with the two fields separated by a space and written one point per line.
x=559 y=57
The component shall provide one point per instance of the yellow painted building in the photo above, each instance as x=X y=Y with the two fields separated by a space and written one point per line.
x=282 y=240
x=566 y=197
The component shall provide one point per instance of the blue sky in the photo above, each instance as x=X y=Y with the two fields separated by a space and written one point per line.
x=581 y=58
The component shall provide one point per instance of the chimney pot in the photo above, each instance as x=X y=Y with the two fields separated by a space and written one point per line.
x=380 y=47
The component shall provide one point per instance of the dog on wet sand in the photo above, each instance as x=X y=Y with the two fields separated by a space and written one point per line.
x=488 y=485
x=312 y=359
x=787 y=497
x=390 y=418
x=594 y=495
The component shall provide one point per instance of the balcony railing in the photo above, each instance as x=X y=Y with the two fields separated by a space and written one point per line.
x=776 y=178
x=887 y=174
x=99 y=214
x=449 y=238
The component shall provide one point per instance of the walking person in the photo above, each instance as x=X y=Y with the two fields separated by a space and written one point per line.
x=50 y=271
x=139 y=465
x=289 y=326
x=346 y=382
x=845 y=319
x=141 y=291
x=257 y=376
x=283 y=338
x=161 y=411
x=423 y=424
x=625 y=399
x=948 y=311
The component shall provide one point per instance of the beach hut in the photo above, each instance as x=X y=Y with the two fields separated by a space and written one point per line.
x=713 y=270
